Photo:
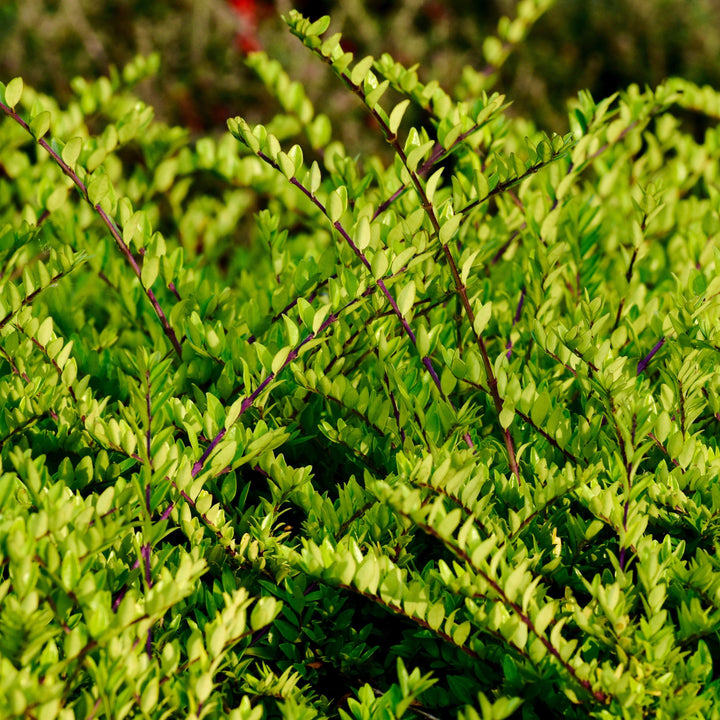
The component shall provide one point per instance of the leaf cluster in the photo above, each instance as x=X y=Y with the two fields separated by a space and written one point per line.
x=292 y=432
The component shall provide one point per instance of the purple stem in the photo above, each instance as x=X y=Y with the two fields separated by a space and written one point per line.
x=145 y=552
x=646 y=360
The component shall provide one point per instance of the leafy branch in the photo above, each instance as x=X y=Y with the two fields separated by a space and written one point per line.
x=95 y=203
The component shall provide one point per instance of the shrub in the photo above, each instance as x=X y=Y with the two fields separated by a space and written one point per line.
x=301 y=431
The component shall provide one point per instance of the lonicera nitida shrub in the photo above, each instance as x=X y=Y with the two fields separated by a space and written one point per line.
x=293 y=430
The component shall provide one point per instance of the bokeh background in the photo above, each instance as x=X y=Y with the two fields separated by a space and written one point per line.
x=601 y=45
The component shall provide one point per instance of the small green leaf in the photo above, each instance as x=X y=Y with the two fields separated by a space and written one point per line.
x=56 y=199
x=361 y=69
x=203 y=687
x=379 y=264
x=492 y=50
x=319 y=317
x=423 y=341
x=544 y=151
x=482 y=317
x=44 y=332
x=506 y=416
x=331 y=45
x=341 y=62
x=71 y=151
x=406 y=298
x=373 y=97
x=98 y=189
x=13 y=92
x=663 y=426
x=396 y=115
x=337 y=203
x=544 y=617
x=165 y=174
x=281 y=357
x=295 y=154
x=40 y=124
x=367 y=577
x=320 y=131
x=432 y=183
x=315 y=177
x=467 y=267
x=272 y=145
x=435 y=615
x=131 y=227
x=447 y=381
x=306 y=312
x=95 y=159
x=318 y=27
x=104 y=501
x=417 y=154
x=248 y=136
x=233 y=412
x=449 y=228
x=460 y=633
x=223 y=457
x=69 y=375
x=150 y=270
x=685 y=456
x=70 y=571
x=540 y=407
x=345 y=570
x=293 y=332
x=449 y=138
x=363 y=233
x=402 y=259
x=481 y=185
x=287 y=166
x=615 y=129
x=449 y=523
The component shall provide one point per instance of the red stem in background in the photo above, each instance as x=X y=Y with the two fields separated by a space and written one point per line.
x=246 y=12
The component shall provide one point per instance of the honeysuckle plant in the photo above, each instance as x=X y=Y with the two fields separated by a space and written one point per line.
x=290 y=429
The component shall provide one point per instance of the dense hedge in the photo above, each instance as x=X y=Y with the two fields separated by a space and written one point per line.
x=294 y=430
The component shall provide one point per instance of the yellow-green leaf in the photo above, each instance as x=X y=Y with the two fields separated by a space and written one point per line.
x=315 y=177
x=361 y=69
x=150 y=270
x=482 y=316
x=280 y=358
x=40 y=124
x=406 y=298
x=71 y=151
x=98 y=189
x=449 y=228
x=506 y=416
x=396 y=115
x=432 y=184
x=337 y=202
x=362 y=233
x=13 y=92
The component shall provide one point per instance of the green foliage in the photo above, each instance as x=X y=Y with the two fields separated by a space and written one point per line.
x=295 y=430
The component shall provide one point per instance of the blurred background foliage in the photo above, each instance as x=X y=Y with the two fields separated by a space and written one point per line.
x=601 y=45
